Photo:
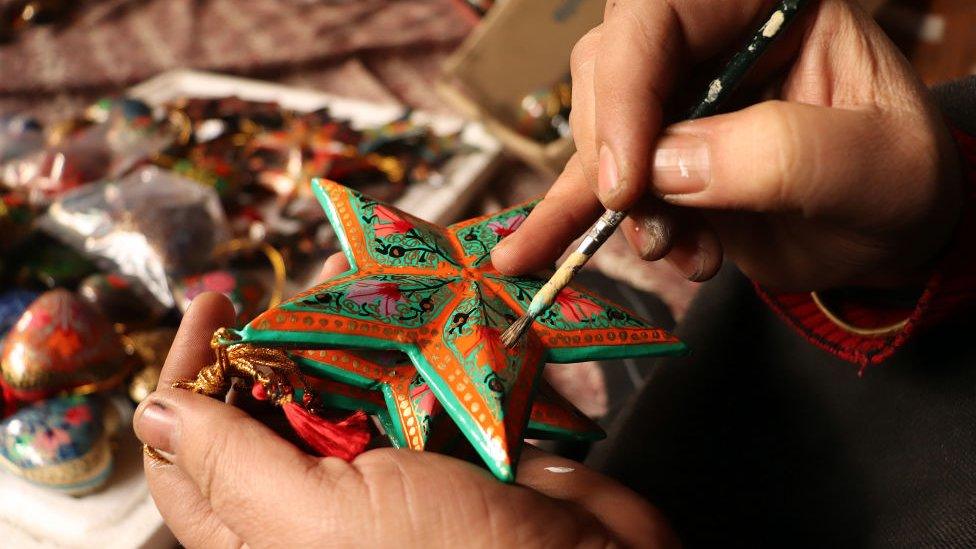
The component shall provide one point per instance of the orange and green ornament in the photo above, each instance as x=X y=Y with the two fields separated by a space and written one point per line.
x=432 y=294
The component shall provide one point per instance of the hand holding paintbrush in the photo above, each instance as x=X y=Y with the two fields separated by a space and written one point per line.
x=718 y=89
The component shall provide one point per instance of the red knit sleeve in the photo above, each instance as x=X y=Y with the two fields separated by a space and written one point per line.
x=950 y=291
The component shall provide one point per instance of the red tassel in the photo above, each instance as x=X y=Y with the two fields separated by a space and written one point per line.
x=345 y=439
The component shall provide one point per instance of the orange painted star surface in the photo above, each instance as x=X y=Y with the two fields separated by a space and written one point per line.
x=387 y=385
x=432 y=293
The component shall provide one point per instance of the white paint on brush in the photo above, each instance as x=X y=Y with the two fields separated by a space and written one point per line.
x=560 y=470
x=714 y=89
x=774 y=24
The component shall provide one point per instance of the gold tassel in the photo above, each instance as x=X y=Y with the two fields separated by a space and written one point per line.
x=267 y=366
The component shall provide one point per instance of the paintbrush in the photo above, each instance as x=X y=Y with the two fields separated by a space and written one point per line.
x=718 y=90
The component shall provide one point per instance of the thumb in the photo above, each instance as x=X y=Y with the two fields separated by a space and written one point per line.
x=790 y=157
x=242 y=468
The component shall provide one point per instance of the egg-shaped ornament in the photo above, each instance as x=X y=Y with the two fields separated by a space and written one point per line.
x=59 y=443
x=60 y=344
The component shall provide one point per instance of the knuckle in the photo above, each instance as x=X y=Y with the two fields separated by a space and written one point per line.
x=585 y=50
x=788 y=159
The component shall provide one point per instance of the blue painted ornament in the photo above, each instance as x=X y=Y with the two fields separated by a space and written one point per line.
x=59 y=443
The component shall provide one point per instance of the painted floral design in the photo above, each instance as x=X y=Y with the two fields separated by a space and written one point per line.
x=575 y=307
x=474 y=336
x=405 y=300
x=77 y=415
x=397 y=239
x=485 y=339
x=424 y=397
x=390 y=222
x=478 y=239
x=505 y=228
x=50 y=440
x=366 y=292
x=433 y=294
x=58 y=343
x=50 y=432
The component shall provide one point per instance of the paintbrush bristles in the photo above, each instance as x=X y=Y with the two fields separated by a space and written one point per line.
x=514 y=333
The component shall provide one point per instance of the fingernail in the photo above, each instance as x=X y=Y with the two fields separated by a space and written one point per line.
x=692 y=266
x=681 y=165
x=608 y=179
x=157 y=427
x=652 y=237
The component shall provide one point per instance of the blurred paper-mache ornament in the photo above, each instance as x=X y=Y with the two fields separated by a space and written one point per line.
x=248 y=294
x=16 y=219
x=60 y=443
x=45 y=261
x=60 y=344
x=19 y=136
x=151 y=225
x=121 y=299
x=149 y=348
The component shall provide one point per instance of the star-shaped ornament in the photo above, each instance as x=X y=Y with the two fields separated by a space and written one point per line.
x=387 y=385
x=432 y=293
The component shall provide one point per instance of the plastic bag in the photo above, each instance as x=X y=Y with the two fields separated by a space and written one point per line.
x=153 y=225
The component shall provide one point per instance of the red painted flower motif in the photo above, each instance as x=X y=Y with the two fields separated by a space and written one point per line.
x=503 y=229
x=394 y=224
x=575 y=307
x=487 y=341
x=427 y=399
x=76 y=415
x=365 y=292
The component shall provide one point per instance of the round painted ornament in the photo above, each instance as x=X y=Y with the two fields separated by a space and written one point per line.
x=59 y=344
x=121 y=299
x=59 y=443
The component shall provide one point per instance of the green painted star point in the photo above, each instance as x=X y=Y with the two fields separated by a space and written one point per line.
x=431 y=293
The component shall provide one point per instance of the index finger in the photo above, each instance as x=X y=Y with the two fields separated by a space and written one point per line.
x=566 y=211
x=190 y=351
x=643 y=46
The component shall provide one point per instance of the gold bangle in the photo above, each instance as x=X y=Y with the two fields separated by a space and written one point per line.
x=274 y=257
x=868 y=332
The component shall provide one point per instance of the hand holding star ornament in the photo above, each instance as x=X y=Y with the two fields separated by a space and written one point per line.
x=432 y=294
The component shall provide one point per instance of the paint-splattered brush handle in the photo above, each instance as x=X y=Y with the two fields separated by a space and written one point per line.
x=718 y=90
x=598 y=234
